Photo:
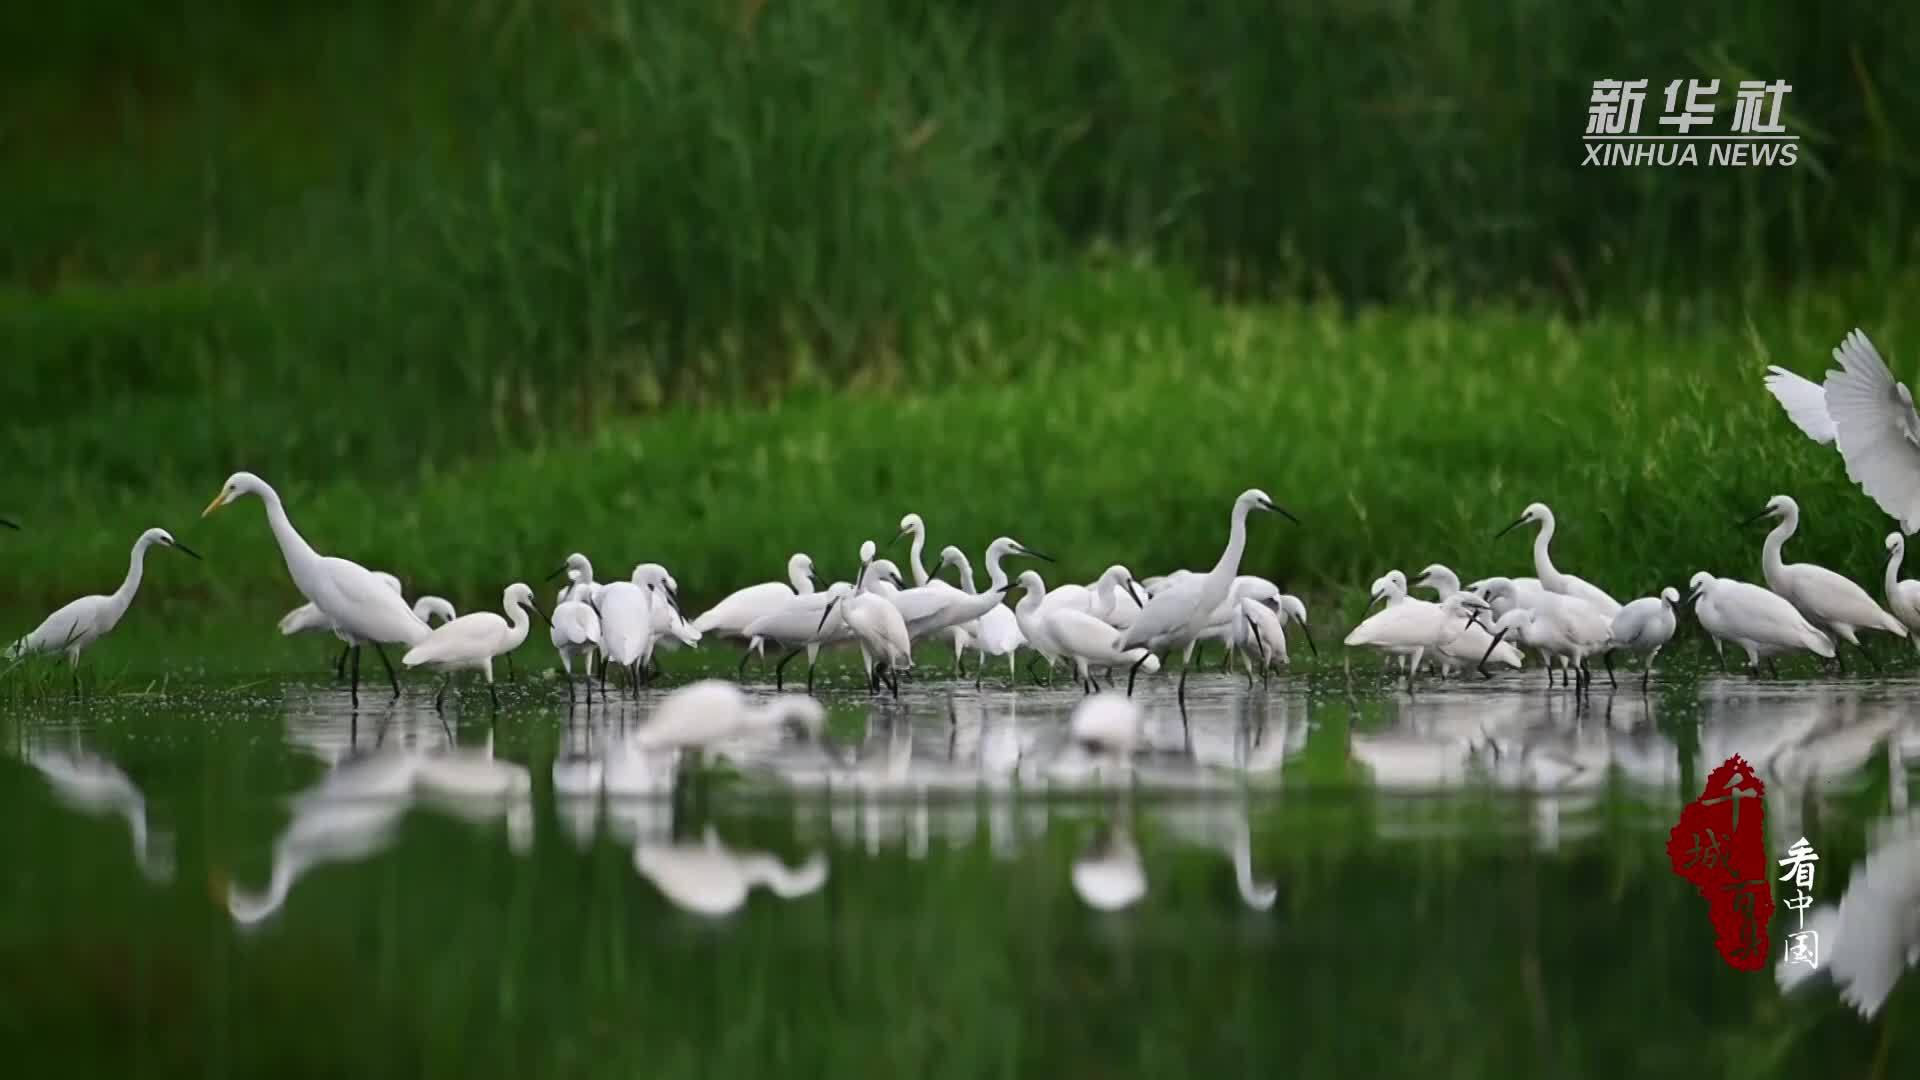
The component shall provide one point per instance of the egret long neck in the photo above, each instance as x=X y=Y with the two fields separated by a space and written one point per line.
x=913 y=556
x=996 y=574
x=1448 y=581
x=522 y=623
x=1771 y=564
x=299 y=554
x=1229 y=564
x=798 y=577
x=1543 y=566
x=966 y=575
x=1893 y=569
x=136 y=568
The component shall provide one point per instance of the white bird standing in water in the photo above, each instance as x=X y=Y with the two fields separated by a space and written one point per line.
x=1645 y=626
x=671 y=630
x=574 y=629
x=626 y=628
x=470 y=642
x=730 y=617
x=885 y=647
x=77 y=625
x=997 y=631
x=1472 y=645
x=1029 y=613
x=1086 y=640
x=800 y=623
x=1260 y=634
x=362 y=610
x=1903 y=597
x=1569 y=629
x=1178 y=614
x=913 y=526
x=1762 y=623
x=307 y=618
x=1550 y=576
x=1834 y=604
x=1869 y=416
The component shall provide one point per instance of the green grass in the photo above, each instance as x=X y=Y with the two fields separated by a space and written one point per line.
x=1120 y=430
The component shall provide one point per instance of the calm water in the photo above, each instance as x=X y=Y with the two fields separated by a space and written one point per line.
x=260 y=880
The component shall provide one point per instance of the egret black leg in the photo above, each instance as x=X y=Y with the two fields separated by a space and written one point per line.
x=1186 y=665
x=1871 y=662
x=1031 y=673
x=744 y=657
x=1771 y=669
x=1134 y=672
x=353 y=686
x=491 y=693
x=441 y=694
x=1608 y=657
x=388 y=664
x=510 y=675
x=779 y=682
x=340 y=665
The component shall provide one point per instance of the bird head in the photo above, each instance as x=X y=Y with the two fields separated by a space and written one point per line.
x=240 y=483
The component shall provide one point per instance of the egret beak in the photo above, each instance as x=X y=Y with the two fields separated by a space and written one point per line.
x=1375 y=598
x=217 y=503
x=813 y=577
x=1133 y=592
x=1030 y=553
x=557 y=573
x=534 y=607
x=1516 y=524
x=831 y=604
x=187 y=551
x=897 y=582
x=1494 y=644
x=1694 y=596
x=10 y=524
x=902 y=535
x=673 y=600
x=1311 y=647
x=1275 y=508
x=1762 y=514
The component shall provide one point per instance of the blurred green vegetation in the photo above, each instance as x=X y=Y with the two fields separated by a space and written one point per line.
x=479 y=284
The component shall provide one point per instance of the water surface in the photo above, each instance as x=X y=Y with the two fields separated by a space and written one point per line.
x=239 y=879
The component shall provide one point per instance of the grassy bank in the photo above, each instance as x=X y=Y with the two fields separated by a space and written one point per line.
x=1119 y=431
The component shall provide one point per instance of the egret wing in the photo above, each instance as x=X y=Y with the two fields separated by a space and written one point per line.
x=1877 y=429
x=1805 y=402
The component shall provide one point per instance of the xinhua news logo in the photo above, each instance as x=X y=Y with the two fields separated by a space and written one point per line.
x=1754 y=137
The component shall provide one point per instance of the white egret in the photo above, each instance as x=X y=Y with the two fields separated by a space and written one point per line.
x=873 y=621
x=470 y=642
x=1177 y=615
x=710 y=711
x=962 y=638
x=997 y=630
x=1028 y=613
x=1869 y=416
x=1550 y=576
x=1101 y=597
x=1645 y=626
x=626 y=628
x=79 y=624
x=579 y=571
x=1870 y=939
x=361 y=609
x=671 y=630
x=1573 y=628
x=574 y=629
x=801 y=622
x=1472 y=644
x=1903 y=597
x=1260 y=634
x=1416 y=626
x=1387 y=629
x=1761 y=622
x=930 y=611
x=708 y=879
x=307 y=618
x=1086 y=640
x=730 y=617
x=1829 y=601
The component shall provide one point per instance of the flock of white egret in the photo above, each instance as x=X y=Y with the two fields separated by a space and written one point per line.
x=1116 y=621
